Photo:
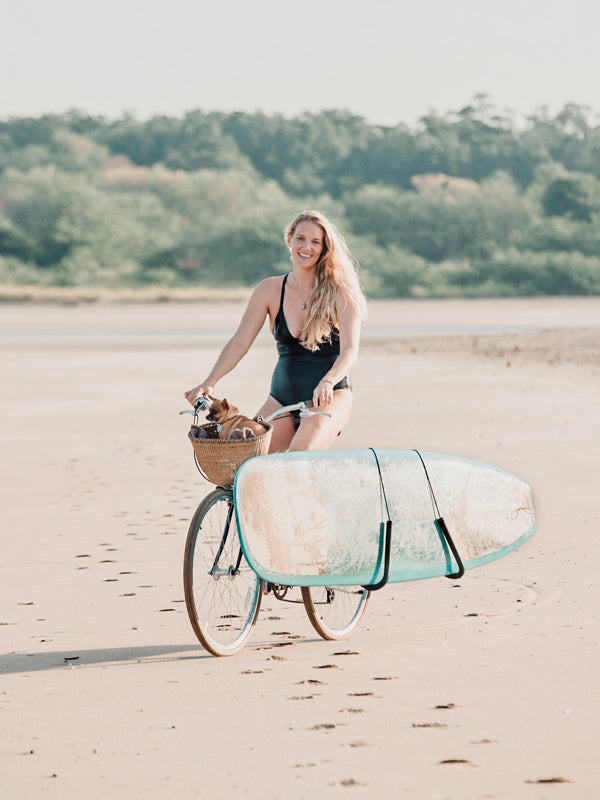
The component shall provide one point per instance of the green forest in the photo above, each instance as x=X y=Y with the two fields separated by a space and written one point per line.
x=468 y=203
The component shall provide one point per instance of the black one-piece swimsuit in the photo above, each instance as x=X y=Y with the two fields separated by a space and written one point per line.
x=298 y=369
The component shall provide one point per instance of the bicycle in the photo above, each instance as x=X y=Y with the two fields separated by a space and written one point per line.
x=223 y=594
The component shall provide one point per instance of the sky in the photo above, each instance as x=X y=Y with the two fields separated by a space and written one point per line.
x=390 y=61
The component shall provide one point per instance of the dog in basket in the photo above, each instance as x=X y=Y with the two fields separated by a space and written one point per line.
x=233 y=424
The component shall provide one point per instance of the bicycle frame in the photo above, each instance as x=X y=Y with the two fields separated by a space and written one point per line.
x=222 y=616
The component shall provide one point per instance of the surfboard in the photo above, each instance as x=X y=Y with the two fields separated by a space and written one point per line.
x=317 y=518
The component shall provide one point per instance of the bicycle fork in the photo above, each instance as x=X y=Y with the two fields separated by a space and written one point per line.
x=217 y=571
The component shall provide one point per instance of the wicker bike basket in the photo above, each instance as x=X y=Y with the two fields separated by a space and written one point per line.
x=220 y=459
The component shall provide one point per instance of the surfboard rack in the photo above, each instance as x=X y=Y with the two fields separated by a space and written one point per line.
x=442 y=528
x=443 y=531
x=386 y=528
x=386 y=532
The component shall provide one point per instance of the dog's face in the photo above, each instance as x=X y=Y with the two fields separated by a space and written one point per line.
x=220 y=410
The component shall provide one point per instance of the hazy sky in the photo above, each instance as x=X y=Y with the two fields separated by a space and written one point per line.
x=388 y=60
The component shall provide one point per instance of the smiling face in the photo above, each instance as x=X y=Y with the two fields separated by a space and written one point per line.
x=306 y=244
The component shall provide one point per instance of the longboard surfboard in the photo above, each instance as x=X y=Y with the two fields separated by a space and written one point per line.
x=317 y=518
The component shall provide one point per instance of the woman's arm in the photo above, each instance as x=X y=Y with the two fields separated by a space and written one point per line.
x=236 y=348
x=349 y=326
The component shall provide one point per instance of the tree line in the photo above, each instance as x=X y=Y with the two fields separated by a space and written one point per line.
x=470 y=203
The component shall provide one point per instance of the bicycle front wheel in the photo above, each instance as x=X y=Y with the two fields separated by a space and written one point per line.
x=335 y=611
x=222 y=593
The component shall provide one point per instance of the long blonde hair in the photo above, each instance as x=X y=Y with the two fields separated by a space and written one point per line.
x=337 y=282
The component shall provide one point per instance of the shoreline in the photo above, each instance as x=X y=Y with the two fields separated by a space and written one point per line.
x=75 y=295
x=551 y=330
x=25 y=294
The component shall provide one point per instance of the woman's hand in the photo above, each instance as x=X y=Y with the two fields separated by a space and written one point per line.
x=323 y=393
x=202 y=390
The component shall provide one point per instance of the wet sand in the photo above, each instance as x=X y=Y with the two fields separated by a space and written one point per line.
x=483 y=687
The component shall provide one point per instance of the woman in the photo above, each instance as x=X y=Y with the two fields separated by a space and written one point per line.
x=315 y=315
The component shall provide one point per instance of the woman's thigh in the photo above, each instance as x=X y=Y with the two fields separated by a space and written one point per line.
x=319 y=432
x=283 y=428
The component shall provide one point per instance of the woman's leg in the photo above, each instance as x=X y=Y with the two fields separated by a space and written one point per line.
x=319 y=432
x=283 y=428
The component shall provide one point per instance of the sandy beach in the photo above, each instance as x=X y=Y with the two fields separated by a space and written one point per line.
x=450 y=690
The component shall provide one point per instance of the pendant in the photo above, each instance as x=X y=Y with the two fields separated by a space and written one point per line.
x=303 y=306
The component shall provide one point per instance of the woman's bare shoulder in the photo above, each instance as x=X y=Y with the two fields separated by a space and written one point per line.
x=269 y=289
x=271 y=284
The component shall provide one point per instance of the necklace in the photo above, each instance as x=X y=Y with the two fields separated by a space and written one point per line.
x=303 y=306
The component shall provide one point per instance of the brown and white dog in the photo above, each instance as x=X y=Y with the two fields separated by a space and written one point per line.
x=231 y=420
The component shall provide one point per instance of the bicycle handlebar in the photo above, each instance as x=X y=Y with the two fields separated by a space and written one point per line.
x=203 y=404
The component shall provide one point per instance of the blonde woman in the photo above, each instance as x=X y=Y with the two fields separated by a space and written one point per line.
x=315 y=315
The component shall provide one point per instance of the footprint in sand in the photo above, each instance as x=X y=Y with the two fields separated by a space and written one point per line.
x=349 y=782
x=304 y=697
x=429 y=725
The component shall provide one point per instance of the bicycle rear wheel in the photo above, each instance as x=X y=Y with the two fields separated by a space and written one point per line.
x=222 y=593
x=335 y=611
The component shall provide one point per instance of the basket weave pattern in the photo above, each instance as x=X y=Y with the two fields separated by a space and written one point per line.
x=220 y=459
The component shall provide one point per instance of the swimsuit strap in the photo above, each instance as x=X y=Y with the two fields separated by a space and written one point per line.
x=282 y=294
x=281 y=331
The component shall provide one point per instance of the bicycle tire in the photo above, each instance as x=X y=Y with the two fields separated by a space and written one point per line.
x=335 y=611
x=222 y=592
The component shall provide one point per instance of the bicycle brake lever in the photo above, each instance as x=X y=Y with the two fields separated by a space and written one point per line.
x=306 y=412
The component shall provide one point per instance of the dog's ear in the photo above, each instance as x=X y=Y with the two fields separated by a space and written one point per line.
x=225 y=404
x=210 y=397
